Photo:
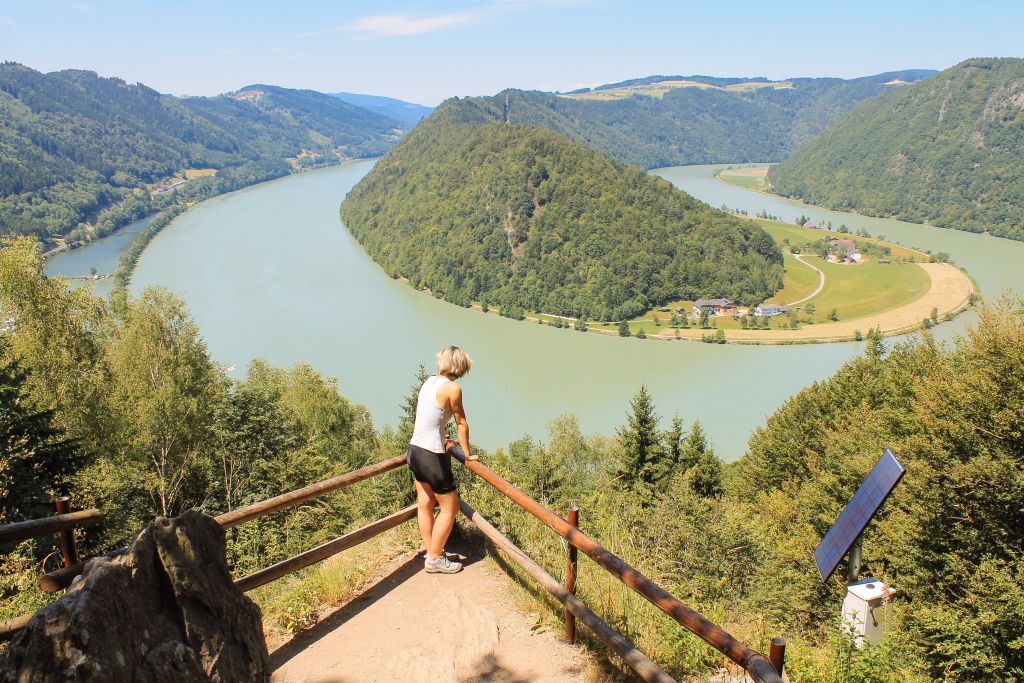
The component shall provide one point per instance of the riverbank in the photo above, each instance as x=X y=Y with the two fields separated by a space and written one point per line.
x=892 y=289
x=201 y=188
x=270 y=272
x=950 y=292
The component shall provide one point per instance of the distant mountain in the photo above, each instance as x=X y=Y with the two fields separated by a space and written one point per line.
x=527 y=220
x=948 y=150
x=672 y=120
x=72 y=143
x=406 y=112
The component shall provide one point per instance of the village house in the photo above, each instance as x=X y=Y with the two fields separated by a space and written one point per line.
x=809 y=224
x=768 y=310
x=848 y=247
x=714 y=307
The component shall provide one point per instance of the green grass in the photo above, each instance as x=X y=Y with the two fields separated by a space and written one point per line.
x=743 y=177
x=852 y=290
x=658 y=90
x=798 y=281
x=864 y=289
x=799 y=237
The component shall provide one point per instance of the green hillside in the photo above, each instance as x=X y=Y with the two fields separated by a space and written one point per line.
x=525 y=219
x=715 y=121
x=949 y=151
x=72 y=143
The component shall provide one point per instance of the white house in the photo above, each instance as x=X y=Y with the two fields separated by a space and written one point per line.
x=768 y=310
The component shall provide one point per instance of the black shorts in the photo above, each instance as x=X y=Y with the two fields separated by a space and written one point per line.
x=431 y=468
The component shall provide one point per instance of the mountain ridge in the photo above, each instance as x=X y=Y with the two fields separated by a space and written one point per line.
x=73 y=143
x=947 y=151
x=684 y=125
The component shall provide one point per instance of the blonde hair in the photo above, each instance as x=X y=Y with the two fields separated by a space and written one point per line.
x=453 y=361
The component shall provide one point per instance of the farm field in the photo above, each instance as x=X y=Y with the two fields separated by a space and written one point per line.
x=800 y=280
x=852 y=299
x=659 y=88
x=749 y=178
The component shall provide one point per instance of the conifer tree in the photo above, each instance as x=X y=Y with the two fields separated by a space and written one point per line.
x=642 y=450
x=703 y=468
x=408 y=406
x=695 y=444
x=672 y=445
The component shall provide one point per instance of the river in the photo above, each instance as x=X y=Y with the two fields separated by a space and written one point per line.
x=270 y=272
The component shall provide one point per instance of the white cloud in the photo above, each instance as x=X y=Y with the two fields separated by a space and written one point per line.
x=387 y=25
x=8 y=21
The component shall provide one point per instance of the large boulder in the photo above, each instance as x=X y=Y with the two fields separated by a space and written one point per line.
x=167 y=610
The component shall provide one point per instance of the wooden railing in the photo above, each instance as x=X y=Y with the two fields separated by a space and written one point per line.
x=64 y=523
x=761 y=668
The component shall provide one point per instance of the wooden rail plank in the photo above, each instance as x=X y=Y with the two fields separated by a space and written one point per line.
x=60 y=579
x=644 y=667
x=265 y=507
x=34 y=528
x=755 y=663
x=322 y=552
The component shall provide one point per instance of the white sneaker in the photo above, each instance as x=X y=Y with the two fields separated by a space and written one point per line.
x=441 y=565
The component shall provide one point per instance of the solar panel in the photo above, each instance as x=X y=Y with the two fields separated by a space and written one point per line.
x=879 y=483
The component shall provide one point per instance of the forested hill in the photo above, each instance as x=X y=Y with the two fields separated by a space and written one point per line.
x=72 y=143
x=407 y=112
x=524 y=219
x=949 y=151
x=674 y=120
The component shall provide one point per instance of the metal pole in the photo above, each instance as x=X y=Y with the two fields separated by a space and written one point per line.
x=777 y=654
x=570 y=578
x=853 y=571
x=67 y=537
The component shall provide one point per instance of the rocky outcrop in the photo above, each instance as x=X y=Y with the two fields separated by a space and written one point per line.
x=165 y=611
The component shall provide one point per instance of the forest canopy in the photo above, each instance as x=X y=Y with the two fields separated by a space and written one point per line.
x=73 y=144
x=948 y=150
x=691 y=125
x=525 y=219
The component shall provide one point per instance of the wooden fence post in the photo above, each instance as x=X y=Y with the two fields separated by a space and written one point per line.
x=570 y=578
x=777 y=654
x=62 y=504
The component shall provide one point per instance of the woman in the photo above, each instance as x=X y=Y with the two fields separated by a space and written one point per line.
x=439 y=400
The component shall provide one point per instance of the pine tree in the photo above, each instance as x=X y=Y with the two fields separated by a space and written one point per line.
x=408 y=406
x=642 y=452
x=672 y=443
x=703 y=468
x=624 y=329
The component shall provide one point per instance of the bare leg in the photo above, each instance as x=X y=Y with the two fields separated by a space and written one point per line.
x=425 y=502
x=449 y=503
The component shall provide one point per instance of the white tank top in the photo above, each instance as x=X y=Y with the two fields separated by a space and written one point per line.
x=428 y=431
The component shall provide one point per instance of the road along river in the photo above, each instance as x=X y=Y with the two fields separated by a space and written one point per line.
x=270 y=271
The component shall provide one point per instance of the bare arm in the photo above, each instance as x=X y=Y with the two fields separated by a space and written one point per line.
x=459 y=413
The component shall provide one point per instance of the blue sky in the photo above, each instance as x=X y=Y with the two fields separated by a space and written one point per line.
x=428 y=51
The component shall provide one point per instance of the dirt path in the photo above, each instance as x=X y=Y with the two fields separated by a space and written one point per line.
x=412 y=626
x=821 y=281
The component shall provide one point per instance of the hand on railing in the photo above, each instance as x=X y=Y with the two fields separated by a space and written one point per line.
x=453 y=448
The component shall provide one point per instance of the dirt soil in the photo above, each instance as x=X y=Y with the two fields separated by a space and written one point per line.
x=413 y=626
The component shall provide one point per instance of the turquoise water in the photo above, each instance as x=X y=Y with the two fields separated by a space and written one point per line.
x=270 y=271
x=103 y=255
